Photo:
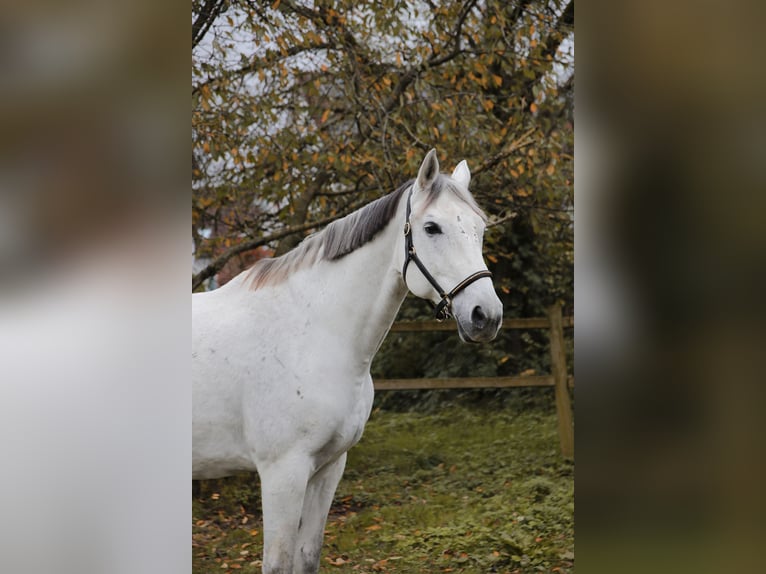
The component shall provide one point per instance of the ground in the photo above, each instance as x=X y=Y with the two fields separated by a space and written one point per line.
x=464 y=490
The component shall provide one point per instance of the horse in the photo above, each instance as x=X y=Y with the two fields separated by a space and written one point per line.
x=281 y=354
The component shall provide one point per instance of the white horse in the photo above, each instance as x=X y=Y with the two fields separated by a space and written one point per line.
x=281 y=354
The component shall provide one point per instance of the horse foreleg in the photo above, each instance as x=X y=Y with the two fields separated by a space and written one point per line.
x=283 y=489
x=316 y=506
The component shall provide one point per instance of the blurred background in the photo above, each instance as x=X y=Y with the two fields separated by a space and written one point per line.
x=669 y=266
x=94 y=321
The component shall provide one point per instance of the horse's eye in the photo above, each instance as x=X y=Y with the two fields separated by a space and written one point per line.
x=432 y=228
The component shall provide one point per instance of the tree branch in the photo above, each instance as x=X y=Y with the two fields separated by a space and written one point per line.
x=265 y=62
x=563 y=25
x=207 y=15
x=523 y=140
x=217 y=264
x=408 y=76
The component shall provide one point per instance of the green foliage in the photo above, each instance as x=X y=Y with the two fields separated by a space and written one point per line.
x=474 y=490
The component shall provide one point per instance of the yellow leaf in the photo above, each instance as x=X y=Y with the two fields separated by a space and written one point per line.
x=436 y=132
x=492 y=258
x=325 y=115
x=497 y=79
x=533 y=107
x=373 y=527
x=550 y=169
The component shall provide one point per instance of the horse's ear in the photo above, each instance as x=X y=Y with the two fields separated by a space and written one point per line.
x=462 y=174
x=429 y=170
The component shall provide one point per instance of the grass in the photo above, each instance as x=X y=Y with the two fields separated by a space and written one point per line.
x=465 y=490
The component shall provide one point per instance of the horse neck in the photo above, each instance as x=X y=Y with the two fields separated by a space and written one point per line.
x=357 y=297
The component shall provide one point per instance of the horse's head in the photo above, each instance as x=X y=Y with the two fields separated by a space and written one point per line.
x=443 y=240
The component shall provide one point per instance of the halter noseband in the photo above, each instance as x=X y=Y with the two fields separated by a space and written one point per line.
x=443 y=309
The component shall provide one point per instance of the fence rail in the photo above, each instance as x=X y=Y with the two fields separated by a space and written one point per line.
x=468 y=383
x=559 y=379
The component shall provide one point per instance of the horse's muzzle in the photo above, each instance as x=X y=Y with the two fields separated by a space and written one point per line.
x=481 y=327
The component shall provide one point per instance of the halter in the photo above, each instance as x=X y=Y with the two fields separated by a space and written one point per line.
x=443 y=309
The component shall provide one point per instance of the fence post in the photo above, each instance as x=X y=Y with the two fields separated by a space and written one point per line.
x=559 y=371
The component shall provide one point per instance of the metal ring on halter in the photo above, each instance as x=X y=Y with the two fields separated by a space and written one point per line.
x=443 y=309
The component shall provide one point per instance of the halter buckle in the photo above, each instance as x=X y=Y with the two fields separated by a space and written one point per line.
x=407 y=227
x=443 y=309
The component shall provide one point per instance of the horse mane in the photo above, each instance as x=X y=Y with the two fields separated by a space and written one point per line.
x=345 y=235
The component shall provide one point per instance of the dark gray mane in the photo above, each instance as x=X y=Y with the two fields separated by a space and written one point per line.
x=345 y=235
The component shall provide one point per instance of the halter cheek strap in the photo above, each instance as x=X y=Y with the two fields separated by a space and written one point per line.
x=443 y=309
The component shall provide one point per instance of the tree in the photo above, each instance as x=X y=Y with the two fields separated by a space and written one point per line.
x=303 y=112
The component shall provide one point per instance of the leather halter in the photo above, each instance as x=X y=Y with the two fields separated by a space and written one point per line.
x=443 y=309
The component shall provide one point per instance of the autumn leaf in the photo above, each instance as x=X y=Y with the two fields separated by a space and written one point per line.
x=339 y=561
x=550 y=170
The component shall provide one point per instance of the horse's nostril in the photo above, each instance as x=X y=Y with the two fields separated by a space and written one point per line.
x=478 y=318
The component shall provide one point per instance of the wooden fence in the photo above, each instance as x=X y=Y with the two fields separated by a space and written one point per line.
x=559 y=379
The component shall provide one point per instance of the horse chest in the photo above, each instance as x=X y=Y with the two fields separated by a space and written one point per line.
x=342 y=429
x=334 y=417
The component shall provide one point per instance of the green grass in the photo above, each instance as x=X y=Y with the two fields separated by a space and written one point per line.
x=468 y=490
